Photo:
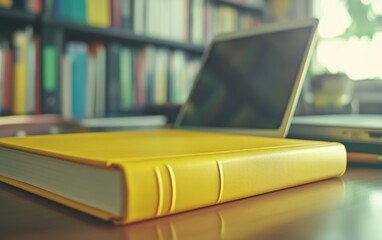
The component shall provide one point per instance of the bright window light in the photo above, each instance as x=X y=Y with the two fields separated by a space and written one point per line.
x=359 y=58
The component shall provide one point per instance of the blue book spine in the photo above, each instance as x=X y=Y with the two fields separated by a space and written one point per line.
x=79 y=77
x=58 y=8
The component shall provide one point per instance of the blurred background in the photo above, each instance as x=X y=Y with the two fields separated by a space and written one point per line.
x=71 y=65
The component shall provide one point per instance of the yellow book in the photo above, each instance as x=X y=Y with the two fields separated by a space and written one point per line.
x=127 y=177
x=6 y=3
x=236 y=220
x=20 y=72
x=98 y=13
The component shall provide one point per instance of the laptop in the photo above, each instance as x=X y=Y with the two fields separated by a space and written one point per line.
x=359 y=133
x=249 y=81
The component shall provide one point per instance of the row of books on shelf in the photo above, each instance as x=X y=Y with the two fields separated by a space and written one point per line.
x=33 y=6
x=100 y=13
x=210 y=19
x=111 y=79
x=194 y=21
x=20 y=84
x=90 y=79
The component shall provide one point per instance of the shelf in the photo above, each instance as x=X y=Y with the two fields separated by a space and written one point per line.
x=240 y=7
x=122 y=35
x=19 y=15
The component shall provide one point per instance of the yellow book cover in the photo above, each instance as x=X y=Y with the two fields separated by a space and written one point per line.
x=98 y=13
x=235 y=220
x=132 y=176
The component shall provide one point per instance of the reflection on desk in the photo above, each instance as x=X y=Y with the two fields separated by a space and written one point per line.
x=238 y=219
x=256 y=216
x=337 y=209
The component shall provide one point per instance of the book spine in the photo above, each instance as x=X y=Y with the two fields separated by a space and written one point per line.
x=31 y=72
x=66 y=86
x=8 y=76
x=125 y=14
x=126 y=75
x=20 y=73
x=100 y=100
x=50 y=87
x=115 y=13
x=2 y=59
x=98 y=13
x=139 y=16
x=37 y=101
x=208 y=180
x=90 y=90
x=79 y=80
x=140 y=86
x=59 y=8
x=6 y=3
x=113 y=81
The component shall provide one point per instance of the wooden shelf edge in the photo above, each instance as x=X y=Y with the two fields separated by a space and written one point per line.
x=122 y=35
x=240 y=7
x=18 y=15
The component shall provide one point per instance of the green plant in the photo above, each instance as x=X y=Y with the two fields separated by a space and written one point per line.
x=363 y=18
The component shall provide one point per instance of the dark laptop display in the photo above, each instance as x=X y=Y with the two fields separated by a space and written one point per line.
x=248 y=82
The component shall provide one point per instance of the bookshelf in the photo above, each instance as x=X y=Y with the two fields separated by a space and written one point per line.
x=162 y=63
x=92 y=32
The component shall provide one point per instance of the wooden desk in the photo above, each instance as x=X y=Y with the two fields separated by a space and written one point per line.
x=346 y=208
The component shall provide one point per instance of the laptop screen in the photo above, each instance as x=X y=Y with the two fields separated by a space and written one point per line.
x=247 y=82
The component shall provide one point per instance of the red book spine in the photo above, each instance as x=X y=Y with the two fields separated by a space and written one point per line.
x=38 y=86
x=115 y=13
x=8 y=67
x=139 y=79
x=38 y=6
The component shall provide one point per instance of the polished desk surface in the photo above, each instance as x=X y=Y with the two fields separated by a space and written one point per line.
x=343 y=208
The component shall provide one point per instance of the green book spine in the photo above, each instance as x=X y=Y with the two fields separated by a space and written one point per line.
x=79 y=10
x=50 y=86
x=126 y=78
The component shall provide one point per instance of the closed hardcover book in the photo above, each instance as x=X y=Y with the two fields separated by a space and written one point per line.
x=127 y=177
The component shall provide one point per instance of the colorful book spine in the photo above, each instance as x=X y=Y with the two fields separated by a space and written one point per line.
x=98 y=13
x=140 y=88
x=66 y=86
x=2 y=50
x=6 y=3
x=100 y=100
x=126 y=14
x=126 y=79
x=31 y=73
x=7 y=79
x=115 y=13
x=37 y=108
x=113 y=79
x=20 y=72
x=78 y=53
x=50 y=84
